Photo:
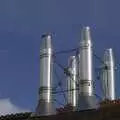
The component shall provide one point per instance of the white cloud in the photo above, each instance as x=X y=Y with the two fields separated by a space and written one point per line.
x=7 y=107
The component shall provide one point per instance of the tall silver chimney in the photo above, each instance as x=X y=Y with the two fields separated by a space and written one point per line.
x=72 y=94
x=86 y=95
x=45 y=106
x=108 y=75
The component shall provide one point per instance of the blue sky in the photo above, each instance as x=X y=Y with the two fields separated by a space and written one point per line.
x=22 y=22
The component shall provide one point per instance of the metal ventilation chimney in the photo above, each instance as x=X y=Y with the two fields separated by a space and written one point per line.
x=86 y=97
x=108 y=75
x=45 y=105
x=72 y=82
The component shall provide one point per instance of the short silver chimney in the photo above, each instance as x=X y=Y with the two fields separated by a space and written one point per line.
x=86 y=96
x=108 y=75
x=72 y=94
x=45 y=105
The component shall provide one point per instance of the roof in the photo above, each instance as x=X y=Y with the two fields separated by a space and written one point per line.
x=108 y=110
x=18 y=116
